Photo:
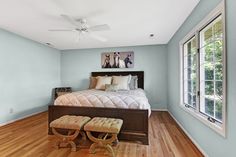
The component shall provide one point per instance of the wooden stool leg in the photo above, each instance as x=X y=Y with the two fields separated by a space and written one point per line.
x=66 y=139
x=92 y=148
x=57 y=144
x=110 y=149
x=70 y=132
x=115 y=142
x=102 y=141
x=73 y=146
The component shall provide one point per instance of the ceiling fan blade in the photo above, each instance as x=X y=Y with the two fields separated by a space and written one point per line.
x=97 y=37
x=103 y=27
x=70 y=20
x=61 y=30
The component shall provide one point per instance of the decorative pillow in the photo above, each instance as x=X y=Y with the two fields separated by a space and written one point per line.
x=133 y=83
x=101 y=81
x=121 y=81
x=111 y=87
x=130 y=76
x=93 y=82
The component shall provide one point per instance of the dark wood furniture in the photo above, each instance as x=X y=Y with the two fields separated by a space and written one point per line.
x=135 y=121
x=60 y=89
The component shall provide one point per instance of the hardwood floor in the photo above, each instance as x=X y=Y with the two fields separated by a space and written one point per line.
x=28 y=137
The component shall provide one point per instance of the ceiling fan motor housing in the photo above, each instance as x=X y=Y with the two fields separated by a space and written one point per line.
x=81 y=20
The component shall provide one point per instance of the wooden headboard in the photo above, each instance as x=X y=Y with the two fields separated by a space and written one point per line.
x=140 y=75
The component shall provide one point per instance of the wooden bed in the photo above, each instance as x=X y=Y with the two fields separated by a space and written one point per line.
x=135 y=126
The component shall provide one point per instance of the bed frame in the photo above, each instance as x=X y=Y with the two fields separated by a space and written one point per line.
x=135 y=121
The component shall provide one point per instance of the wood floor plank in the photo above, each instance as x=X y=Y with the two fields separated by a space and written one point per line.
x=28 y=137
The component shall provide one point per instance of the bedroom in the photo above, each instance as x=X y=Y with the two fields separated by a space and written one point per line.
x=34 y=59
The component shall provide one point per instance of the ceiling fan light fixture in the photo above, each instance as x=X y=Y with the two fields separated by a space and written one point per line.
x=81 y=20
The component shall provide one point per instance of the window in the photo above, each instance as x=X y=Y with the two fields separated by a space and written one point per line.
x=203 y=73
x=190 y=72
x=211 y=69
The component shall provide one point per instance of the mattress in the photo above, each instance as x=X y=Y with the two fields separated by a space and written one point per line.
x=130 y=99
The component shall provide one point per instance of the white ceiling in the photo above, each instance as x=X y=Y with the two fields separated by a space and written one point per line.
x=131 y=21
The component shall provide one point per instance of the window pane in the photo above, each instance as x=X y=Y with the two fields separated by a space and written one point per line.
x=189 y=48
x=189 y=73
x=218 y=112
x=194 y=45
x=194 y=101
x=209 y=88
x=211 y=69
x=218 y=71
x=189 y=60
x=209 y=106
x=218 y=28
x=190 y=68
x=209 y=56
x=194 y=83
x=189 y=99
x=218 y=50
x=192 y=61
x=190 y=86
x=208 y=35
x=219 y=88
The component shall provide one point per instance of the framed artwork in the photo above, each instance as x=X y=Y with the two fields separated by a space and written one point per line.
x=117 y=59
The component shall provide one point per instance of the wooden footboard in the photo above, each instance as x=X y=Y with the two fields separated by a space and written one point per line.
x=135 y=122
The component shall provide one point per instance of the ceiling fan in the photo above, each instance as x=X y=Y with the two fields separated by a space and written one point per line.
x=81 y=27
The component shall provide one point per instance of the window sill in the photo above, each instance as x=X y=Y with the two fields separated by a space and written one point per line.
x=219 y=129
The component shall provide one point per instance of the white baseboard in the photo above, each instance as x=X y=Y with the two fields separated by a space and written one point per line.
x=17 y=119
x=189 y=136
x=159 y=110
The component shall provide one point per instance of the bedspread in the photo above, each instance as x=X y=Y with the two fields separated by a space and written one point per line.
x=131 y=99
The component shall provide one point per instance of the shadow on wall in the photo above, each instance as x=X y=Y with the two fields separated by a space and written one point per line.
x=83 y=84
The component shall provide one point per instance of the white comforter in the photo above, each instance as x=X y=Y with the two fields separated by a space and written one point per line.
x=133 y=99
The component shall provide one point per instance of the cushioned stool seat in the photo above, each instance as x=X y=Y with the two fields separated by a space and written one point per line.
x=107 y=127
x=74 y=125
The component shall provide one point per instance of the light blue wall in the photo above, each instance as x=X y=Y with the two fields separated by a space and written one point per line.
x=213 y=144
x=28 y=72
x=76 y=66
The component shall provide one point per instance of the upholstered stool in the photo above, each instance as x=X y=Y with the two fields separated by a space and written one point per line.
x=74 y=126
x=108 y=128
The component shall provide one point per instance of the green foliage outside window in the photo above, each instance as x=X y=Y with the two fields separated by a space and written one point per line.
x=213 y=59
x=211 y=67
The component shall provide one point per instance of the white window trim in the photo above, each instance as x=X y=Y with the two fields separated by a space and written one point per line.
x=220 y=9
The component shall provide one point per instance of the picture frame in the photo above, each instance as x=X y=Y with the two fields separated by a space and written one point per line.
x=117 y=59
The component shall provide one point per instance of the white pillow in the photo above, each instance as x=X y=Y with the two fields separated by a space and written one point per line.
x=133 y=83
x=102 y=81
x=121 y=81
